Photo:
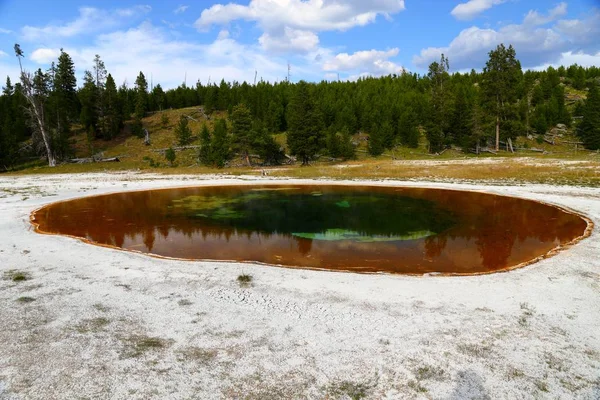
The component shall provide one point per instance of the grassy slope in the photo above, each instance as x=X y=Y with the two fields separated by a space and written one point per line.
x=455 y=165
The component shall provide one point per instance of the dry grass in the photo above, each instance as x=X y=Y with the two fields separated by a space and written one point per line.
x=555 y=167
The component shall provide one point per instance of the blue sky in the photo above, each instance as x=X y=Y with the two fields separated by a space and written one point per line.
x=320 y=39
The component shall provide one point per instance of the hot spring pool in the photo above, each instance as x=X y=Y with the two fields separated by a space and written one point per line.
x=348 y=228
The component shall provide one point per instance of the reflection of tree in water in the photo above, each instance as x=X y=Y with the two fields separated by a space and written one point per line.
x=304 y=245
x=495 y=225
x=149 y=238
x=434 y=245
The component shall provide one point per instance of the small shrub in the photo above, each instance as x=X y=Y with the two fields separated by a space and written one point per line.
x=353 y=390
x=170 y=156
x=430 y=372
x=92 y=325
x=25 y=299
x=16 y=276
x=137 y=345
x=137 y=128
x=183 y=132
x=244 y=279
x=417 y=387
x=539 y=139
x=164 y=120
x=19 y=277
x=151 y=162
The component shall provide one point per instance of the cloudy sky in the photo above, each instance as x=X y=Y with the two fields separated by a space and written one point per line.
x=319 y=39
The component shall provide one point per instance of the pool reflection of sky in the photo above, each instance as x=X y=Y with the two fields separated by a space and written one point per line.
x=366 y=229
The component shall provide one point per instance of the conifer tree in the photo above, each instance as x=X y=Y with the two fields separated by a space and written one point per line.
x=305 y=124
x=141 y=98
x=220 y=144
x=589 y=129
x=88 y=96
x=205 y=153
x=8 y=137
x=183 y=132
x=438 y=122
x=241 y=130
x=113 y=109
x=408 y=128
x=501 y=77
x=100 y=76
x=265 y=145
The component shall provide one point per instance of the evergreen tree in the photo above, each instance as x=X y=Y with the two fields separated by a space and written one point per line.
x=205 y=154
x=100 y=76
x=589 y=129
x=265 y=145
x=141 y=96
x=579 y=78
x=347 y=149
x=88 y=95
x=241 y=129
x=460 y=125
x=339 y=145
x=183 y=132
x=305 y=124
x=539 y=121
x=8 y=139
x=476 y=132
x=501 y=77
x=164 y=120
x=126 y=97
x=220 y=144
x=170 y=156
x=158 y=98
x=408 y=128
x=379 y=137
x=332 y=142
x=63 y=103
x=113 y=108
x=438 y=122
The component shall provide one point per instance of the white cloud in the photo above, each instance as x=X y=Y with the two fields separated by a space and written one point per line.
x=3 y=54
x=292 y=25
x=472 y=8
x=90 y=20
x=370 y=62
x=158 y=54
x=570 y=58
x=534 y=18
x=295 y=40
x=534 y=45
x=44 y=55
x=5 y=31
x=133 y=11
x=315 y=15
x=180 y=9
x=223 y=34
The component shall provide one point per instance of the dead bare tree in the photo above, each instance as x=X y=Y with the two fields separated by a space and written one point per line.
x=36 y=107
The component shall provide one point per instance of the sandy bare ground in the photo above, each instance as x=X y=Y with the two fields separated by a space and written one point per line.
x=98 y=323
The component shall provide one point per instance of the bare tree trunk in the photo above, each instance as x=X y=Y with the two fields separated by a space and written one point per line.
x=45 y=137
x=497 y=133
x=37 y=107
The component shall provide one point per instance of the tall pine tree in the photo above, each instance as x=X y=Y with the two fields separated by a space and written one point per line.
x=305 y=124
x=589 y=129
x=501 y=77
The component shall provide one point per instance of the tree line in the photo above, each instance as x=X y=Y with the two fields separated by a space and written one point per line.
x=468 y=110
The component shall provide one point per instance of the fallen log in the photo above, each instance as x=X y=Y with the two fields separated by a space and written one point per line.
x=92 y=160
x=179 y=148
